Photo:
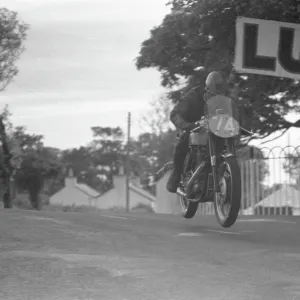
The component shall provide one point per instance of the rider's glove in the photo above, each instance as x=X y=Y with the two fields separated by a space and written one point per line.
x=190 y=126
x=202 y=122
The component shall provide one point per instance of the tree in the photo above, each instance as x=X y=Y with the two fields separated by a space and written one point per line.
x=291 y=166
x=157 y=119
x=199 y=36
x=152 y=152
x=108 y=147
x=10 y=156
x=81 y=161
x=39 y=164
x=26 y=140
x=96 y=164
x=154 y=148
x=78 y=159
x=12 y=36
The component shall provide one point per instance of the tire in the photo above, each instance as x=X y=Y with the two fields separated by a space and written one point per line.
x=232 y=194
x=189 y=209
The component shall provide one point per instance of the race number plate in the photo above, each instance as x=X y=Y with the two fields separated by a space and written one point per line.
x=224 y=126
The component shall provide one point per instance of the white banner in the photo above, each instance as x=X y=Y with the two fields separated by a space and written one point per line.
x=267 y=47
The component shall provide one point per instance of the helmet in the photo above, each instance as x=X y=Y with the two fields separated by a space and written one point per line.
x=216 y=83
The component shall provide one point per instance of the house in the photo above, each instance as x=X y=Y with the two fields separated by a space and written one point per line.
x=166 y=202
x=285 y=200
x=116 y=197
x=73 y=193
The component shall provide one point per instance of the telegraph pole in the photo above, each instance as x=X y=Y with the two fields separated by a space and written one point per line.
x=128 y=161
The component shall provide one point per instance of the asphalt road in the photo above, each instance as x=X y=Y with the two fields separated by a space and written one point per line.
x=104 y=255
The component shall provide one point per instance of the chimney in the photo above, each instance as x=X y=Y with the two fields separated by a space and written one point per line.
x=121 y=170
x=70 y=180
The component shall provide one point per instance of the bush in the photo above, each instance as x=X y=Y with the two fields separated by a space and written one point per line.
x=68 y=208
x=22 y=201
x=143 y=208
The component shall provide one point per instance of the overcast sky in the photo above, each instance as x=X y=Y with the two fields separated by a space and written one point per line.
x=78 y=68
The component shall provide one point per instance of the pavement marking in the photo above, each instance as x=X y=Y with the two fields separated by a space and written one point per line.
x=115 y=217
x=56 y=221
x=221 y=231
x=268 y=220
x=291 y=255
x=190 y=234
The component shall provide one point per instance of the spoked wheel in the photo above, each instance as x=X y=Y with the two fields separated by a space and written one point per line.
x=227 y=203
x=189 y=208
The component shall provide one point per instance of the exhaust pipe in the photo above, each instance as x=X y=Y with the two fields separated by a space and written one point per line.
x=181 y=193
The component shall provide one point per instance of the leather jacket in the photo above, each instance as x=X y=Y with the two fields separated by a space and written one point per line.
x=187 y=112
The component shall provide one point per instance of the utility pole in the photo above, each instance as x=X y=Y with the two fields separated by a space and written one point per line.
x=128 y=162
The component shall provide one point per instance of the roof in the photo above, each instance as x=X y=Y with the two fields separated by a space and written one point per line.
x=142 y=192
x=161 y=172
x=286 y=196
x=87 y=190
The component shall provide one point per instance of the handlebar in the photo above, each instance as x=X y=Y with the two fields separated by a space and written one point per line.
x=195 y=129
x=246 y=131
x=204 y=120
x=200 y=125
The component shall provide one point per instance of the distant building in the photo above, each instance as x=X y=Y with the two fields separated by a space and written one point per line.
x=73 y=193
x=116 y=197
x=166 y=202
x=285 y=200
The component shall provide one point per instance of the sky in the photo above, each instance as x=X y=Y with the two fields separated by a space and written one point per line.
x=78 y=69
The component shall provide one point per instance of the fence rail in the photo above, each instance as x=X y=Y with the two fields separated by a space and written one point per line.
x=270 y=182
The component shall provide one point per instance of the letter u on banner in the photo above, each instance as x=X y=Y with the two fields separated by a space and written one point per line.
x=267 y=48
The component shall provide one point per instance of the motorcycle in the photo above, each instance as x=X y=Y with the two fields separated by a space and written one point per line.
x=211 y=171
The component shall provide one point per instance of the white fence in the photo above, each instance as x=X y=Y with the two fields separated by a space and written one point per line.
x=270 y=183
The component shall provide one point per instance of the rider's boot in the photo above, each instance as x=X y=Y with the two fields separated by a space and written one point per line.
x=180 y=152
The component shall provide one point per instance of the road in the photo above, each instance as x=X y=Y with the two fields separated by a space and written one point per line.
x=105 y=255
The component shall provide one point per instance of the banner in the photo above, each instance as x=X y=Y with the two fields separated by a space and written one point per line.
x=267 y=47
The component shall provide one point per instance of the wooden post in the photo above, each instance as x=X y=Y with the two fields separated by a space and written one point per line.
x=128 y=163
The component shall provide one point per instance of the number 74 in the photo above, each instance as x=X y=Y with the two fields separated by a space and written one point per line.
x=228 y=126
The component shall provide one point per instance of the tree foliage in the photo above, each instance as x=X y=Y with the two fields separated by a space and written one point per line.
x=39 y=164
x=82 y=162
x=157 y=119
x=199 y=36
x=291 y=166
x=107 y=146
x=12 y=36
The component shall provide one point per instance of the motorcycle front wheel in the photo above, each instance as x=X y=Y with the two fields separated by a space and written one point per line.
x=228 y=202
x=189 y=208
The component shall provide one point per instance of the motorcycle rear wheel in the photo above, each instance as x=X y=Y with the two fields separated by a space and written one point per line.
x=189 y=208
x=230 y=185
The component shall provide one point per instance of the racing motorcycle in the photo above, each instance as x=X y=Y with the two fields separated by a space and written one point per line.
x=211 y=171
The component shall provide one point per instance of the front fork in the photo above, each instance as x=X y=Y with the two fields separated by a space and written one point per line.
x=213 y=162
x=216 y=163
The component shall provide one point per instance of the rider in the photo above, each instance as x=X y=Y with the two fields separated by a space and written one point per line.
x=185 y=115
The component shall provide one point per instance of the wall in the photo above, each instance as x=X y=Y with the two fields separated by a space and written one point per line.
x=117 y=196
x=70 y=195
x=166 y=203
